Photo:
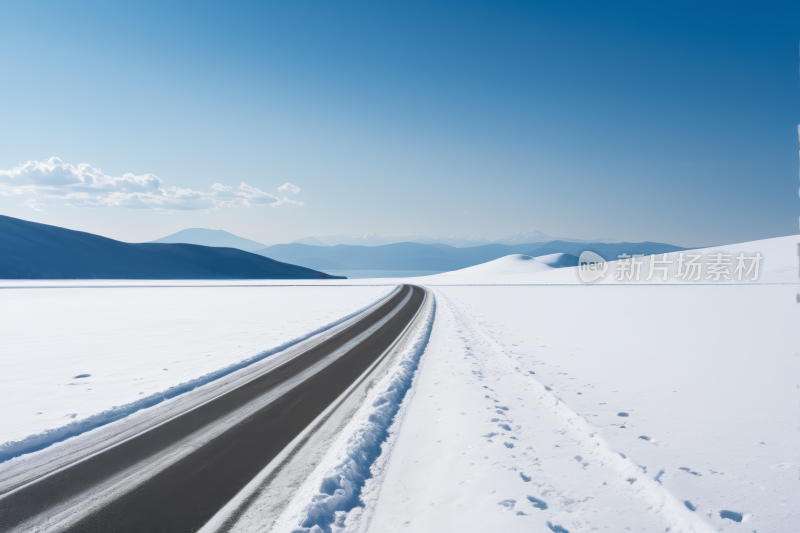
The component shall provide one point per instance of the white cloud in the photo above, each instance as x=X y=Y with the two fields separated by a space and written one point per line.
x=286 y=201
x=294 y=189
x=85 y=186
x=33 y=204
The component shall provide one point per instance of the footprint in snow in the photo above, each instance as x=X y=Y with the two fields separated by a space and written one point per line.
x=508 y=445
x=80 y=376
x=508 y=504
x=490 y=435
x=689 y=506
x=623 y=414
x=539 y=504
x=731 y=515
x=504 y=426
x=556 y=528
x=692 y=472
x=645 y=437
x=525 y=478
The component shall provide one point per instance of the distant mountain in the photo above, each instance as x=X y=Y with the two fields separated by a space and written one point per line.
x=312 y=241
x=39 y=251
x=416 y=256
x=522 y=237
x=458 y=240
x=211 y=237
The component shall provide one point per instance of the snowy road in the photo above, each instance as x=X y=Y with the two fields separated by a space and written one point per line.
x=177 y=475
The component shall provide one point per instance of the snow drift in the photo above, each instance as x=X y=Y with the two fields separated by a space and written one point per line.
x=518 y=264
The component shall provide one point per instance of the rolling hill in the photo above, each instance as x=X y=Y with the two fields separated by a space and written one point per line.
x=39 y=251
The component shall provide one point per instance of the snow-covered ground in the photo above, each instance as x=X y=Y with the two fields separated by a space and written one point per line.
x=695 y=386
x=70 y=354
x=538 y=403
x=778 y=266
x=564 y=407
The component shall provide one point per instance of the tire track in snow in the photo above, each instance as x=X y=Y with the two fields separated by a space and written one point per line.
x=631 y=481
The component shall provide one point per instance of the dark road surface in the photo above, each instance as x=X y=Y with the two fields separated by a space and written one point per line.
x=187 y=493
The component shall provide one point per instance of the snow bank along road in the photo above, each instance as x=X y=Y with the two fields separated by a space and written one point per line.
x=176 y=475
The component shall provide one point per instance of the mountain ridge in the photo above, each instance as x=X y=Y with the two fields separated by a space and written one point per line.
x=456 y=240
x=40 y=251
x=222 y=238
x=439 y=257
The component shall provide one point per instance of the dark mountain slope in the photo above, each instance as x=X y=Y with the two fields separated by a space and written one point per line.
x=38 y=251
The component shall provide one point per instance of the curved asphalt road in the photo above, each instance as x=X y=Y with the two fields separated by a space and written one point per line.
x=186 y=494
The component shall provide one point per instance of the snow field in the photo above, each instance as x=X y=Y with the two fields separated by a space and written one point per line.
x=780 y=265
x=76 y=358
x=650 y=408
x=512 y=264
x=707 y=375
x=578 y=408
x=484 y=447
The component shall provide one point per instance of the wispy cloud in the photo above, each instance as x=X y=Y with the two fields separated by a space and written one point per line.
x=34 y=204
x=294 y=189
x=85 y=186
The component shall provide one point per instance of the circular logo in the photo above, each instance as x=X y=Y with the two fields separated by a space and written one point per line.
x=591 y=267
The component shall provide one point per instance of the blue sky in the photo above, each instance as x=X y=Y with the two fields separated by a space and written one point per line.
x=664 y=121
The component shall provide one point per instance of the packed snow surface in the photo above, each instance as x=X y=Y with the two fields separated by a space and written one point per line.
x=70 y=354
